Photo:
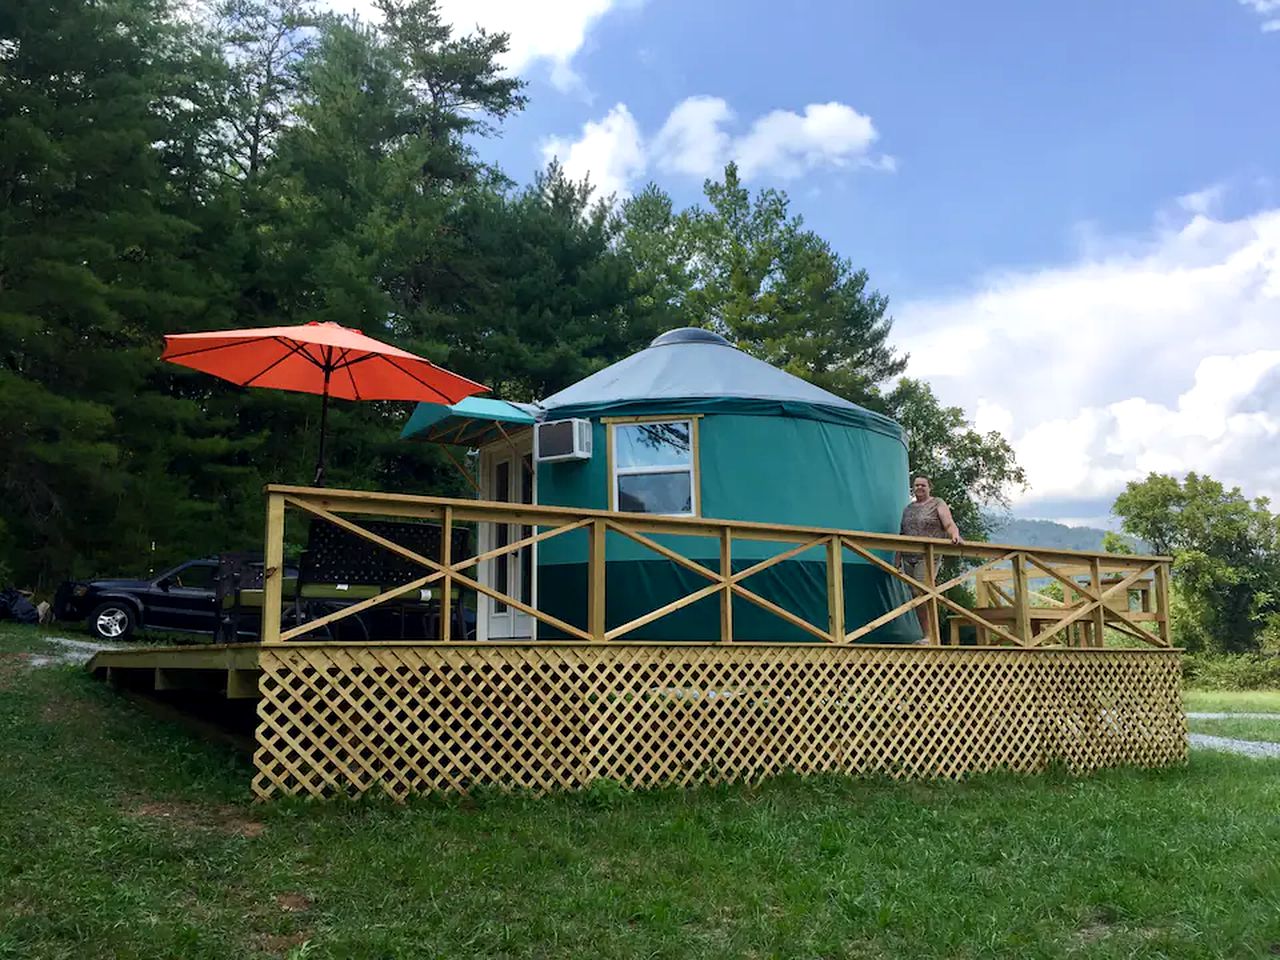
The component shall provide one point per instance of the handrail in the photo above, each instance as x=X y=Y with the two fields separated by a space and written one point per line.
x=330 y=505
x=484 y=509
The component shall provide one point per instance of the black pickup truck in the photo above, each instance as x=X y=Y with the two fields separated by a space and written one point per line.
x=183 y=600
x=194 y=597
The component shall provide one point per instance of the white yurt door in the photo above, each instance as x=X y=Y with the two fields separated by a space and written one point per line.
x=507 y=476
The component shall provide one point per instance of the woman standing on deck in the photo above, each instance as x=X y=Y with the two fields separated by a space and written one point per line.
x=925 y=516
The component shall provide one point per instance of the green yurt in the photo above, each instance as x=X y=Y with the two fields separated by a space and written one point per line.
x=691 y=426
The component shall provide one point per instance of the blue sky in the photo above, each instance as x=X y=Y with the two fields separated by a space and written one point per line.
x=1014 y=124
x=1074 y=208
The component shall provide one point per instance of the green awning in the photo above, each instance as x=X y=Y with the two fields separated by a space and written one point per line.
x=472 y=422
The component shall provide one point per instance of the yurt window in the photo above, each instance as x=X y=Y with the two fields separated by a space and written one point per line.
x=654 y=467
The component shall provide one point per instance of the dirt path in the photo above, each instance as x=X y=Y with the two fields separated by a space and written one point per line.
x=73 y=653
x=1246 y=748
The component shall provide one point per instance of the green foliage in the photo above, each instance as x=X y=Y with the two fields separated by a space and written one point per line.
x=533 y=294
x=252 y=173
x=973 y=472
x=1247 y=671
x=748 y=269
x=1226 y=552
x=1228 y=701
x=1113 y=542
x=98 y=256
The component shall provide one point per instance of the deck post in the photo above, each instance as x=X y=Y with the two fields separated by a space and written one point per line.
x=595 y=583
x=1021 y=602
x=1162 y=602
x=1099 y=616
x=726 y=592
x=981 y=592
x=835 y=590
x=931 y=581
x=273 y=569
x=446 y=589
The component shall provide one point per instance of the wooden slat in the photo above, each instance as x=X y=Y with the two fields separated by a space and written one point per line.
x=726 y=595
x=354 y=501
x=776 y=559
x=596 y=572
x=273 y=572
x=930 y=581
x=357 y=608
x=520 y=544
x=778 y=611
x=675 y=557
x=979 y=621
x=1099 y=617
x=446 y=587
x=1087 y=608
x=1021 y=600
x=539 y=615
x=640 y=528
x=923 y=588
x=884 y=618
x=666 y=609
x=835 y=590
x=1162 y=603
x=405 y=719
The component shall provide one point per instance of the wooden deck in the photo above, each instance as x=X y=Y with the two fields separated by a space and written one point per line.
x=442 y=715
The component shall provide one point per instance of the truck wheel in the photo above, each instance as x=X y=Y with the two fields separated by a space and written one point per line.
x=113 y=620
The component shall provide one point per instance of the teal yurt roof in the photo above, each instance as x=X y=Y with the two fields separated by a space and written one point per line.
x=697 y=371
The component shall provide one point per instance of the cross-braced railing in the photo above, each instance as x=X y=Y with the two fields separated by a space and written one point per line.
x=1005 y=616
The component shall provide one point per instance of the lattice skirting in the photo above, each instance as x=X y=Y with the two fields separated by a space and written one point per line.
x=410 y=719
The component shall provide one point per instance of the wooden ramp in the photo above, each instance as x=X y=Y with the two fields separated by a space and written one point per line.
x=230 y=669
x=411 y=718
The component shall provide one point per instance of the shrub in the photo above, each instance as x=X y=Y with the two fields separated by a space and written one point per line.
x=1246 y=671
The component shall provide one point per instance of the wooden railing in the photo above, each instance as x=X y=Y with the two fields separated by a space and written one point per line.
x=1008 y=616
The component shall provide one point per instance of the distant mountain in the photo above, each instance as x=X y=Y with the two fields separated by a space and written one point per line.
x=1046 y=533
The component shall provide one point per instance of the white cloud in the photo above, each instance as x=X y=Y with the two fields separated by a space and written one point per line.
x=789 y=144
x=1164 y=357
x=1268 y=10
x=608 y=151
x=695 y=141
x=1204 y=201
x=692 y=140
x=539 y=32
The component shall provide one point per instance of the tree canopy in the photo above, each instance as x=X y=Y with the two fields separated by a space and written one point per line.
x=1226 y=551
x=273 y=164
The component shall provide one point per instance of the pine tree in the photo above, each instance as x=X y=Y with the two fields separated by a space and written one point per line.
x=750 y=270
x=93 y=264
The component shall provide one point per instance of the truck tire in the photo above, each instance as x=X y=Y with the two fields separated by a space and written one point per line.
x=112 y=620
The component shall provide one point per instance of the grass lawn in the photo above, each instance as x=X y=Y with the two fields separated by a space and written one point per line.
x=123 y=837
x=1238 y=728
x=1232 y=701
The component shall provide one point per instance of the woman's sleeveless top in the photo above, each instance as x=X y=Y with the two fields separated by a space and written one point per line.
x=922 y=520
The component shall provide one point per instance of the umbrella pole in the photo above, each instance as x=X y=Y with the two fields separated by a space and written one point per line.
x=324 y=423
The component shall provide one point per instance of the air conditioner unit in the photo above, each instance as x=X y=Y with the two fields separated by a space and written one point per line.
x=559 y=440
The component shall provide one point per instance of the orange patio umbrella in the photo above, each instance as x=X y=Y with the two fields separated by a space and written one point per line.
x=324 y=358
